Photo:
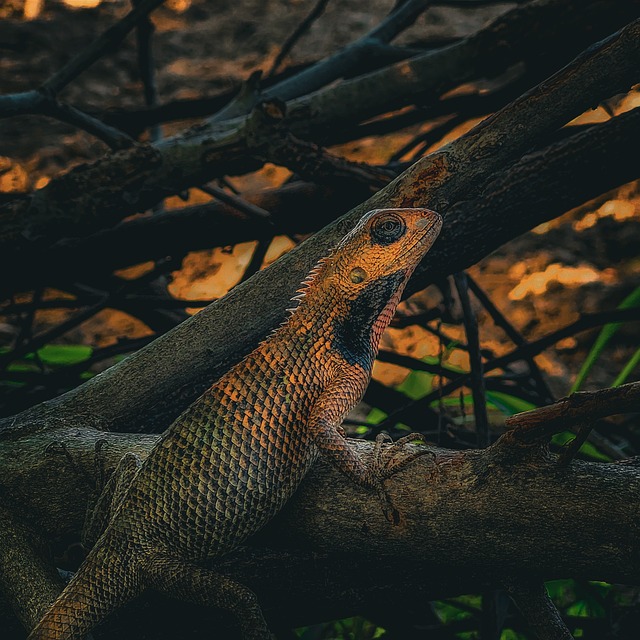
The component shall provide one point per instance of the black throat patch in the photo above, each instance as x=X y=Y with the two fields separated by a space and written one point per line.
x=352 y=335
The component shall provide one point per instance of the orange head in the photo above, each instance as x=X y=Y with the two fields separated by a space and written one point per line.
x=358 y=286
x=385 y=242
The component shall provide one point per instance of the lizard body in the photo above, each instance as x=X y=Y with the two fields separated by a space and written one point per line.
x=228 y=464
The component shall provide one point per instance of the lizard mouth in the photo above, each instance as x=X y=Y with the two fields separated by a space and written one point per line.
x=431 y=230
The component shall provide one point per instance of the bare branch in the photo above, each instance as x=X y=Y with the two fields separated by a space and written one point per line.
x=475 y=359
x=538 y=610
x=343 y=61
x=540 y=424
x=298 y=32
x=110 y=39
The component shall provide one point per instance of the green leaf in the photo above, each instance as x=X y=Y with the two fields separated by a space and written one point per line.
x=55 y=355
x=607 y=332
x=416 y=384
x=58 y=355
x=509 y=404
x=510 y=634
x=627 y=370
x=376 y=416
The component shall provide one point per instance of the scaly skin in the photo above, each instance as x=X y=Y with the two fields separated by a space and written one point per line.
x=228 y=464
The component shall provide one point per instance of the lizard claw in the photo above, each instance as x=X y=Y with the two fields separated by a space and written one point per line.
x=386 y=463
x=389 y=462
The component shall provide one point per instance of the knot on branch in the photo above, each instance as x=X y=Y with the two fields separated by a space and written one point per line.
x=273 y=111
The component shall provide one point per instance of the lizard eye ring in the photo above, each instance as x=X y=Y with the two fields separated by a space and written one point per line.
x=388 y=228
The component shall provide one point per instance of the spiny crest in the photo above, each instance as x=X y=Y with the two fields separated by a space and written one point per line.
x=306 y=284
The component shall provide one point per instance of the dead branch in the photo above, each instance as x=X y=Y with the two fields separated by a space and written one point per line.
x=540 y=424
x=121 y=184
x=298 y=32
x=534 y=603
x=475 y=359
x=43 y=100
x=338 y=64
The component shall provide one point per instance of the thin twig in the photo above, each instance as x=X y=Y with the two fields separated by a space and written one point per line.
x=111 y=136
x=571 y=449
x=106 y=42
x=539 y=424
x=298 y=32
x=414 y=364
x=340 y=63
x=235 y=201
x=144 y=35
x=585 y=322
x=514 y=335
x=38 y=341
x=475 y=359
x=43 y=100
x=257 y=258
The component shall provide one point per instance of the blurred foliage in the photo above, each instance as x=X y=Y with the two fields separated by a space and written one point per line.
x=605 y=335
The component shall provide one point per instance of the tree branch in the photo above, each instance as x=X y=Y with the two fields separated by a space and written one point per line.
x=43 y=100
x=124 y=183
x=479 y=494
x=535 y=605
x=540 y=424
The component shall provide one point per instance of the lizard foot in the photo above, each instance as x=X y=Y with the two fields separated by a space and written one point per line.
x=204 y=586
x=387 y=461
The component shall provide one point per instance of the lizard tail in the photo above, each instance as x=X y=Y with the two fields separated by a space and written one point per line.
x=107 y=579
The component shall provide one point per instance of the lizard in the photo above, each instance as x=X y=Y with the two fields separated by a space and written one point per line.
x=233 y=458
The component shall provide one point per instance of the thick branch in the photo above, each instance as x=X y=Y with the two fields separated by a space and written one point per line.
x=29 y=582
x=485 y=497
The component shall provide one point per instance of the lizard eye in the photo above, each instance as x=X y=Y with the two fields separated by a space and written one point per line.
x=388 y=229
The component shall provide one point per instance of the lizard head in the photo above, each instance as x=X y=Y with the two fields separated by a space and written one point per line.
x=365 y=275
x=385 y=243
x=359 y=284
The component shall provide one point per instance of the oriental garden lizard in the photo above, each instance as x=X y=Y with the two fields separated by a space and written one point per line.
x=229 y=463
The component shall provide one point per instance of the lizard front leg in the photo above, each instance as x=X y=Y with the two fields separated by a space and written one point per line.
x=329 y=437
